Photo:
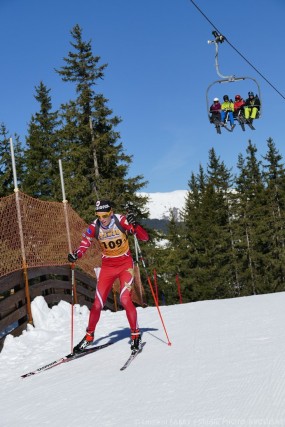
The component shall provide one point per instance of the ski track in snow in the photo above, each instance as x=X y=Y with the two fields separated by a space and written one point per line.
x=225 y=367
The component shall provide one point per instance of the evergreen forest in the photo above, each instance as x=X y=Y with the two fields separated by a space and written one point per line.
x=229 y=240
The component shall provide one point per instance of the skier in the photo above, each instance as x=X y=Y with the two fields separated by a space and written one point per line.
x=111 y=230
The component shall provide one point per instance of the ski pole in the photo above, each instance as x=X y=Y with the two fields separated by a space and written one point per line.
x=155 y=284
x=150 y=285
x=72 y=265
x=72 y=303
x=137 y=272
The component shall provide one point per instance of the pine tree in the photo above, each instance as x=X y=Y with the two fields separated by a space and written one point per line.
x=274 y=176
x=7 y=183
x=95 y=163
x=221 y=178
x=41 y=156
x=172 y=260
x=251 y=223
x=192 y=216
x=208 y=237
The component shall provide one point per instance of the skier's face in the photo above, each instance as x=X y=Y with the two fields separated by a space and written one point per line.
x=105 y=218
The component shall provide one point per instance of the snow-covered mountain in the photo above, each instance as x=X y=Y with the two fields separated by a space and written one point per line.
x=161 y=203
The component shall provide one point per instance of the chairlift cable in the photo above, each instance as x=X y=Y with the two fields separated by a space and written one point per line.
x=237 y=51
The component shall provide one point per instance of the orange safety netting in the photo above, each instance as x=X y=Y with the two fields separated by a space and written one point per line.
x=44 y=241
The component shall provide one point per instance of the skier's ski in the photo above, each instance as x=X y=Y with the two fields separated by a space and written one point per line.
x=224 y=126
x=250 y=125
x=66 y=359
x=132 y=357
x=218 y=128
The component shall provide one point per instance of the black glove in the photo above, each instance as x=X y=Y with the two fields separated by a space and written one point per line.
x=72 y=257
x=131 y=218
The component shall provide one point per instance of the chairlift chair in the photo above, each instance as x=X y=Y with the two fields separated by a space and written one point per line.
x=228 y=79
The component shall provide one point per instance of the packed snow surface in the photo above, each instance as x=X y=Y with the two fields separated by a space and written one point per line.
x=225 y=367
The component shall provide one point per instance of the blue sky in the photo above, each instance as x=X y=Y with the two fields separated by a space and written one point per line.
x=159 y=68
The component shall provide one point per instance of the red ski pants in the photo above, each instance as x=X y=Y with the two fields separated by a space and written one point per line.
x=121 y=268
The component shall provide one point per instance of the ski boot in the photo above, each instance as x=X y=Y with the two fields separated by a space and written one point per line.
x=87 y=340
x=136 y=341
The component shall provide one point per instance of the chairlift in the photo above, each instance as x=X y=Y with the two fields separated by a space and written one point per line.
x=218 y=39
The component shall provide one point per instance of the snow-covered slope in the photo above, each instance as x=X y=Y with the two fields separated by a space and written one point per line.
x=225 y=367
x=160 y=203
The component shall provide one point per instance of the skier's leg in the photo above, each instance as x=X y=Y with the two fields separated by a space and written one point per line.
x=104 y=285
x=126 y=280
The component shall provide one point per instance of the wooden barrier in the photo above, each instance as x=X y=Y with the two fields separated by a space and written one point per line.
x=53 y=283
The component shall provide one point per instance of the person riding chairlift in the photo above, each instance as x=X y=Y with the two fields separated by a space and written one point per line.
x=252 y=107
x=227 y=109
x=215 y=111
x=238 y=105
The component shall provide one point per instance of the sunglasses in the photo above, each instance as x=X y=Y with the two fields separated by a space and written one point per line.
x=104 y=216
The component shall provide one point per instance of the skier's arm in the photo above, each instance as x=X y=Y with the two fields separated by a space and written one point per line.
x=129 y=223
x=84 y=244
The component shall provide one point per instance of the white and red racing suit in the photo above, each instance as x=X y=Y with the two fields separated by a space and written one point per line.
x=117 y=263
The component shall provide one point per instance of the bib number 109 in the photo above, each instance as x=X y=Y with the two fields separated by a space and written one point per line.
x=112 y=244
